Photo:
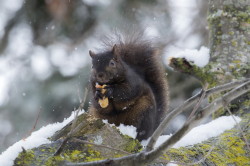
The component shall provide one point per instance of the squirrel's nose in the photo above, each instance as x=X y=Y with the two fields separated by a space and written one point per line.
x=100 y=75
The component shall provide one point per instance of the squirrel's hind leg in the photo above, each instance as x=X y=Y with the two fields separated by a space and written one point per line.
x=146 y=124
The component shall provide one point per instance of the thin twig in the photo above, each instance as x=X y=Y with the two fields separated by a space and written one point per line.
x=74 y=128
x=102 y=146
x=238 y=125
x=188 y=103
x=203 y=93
x=34 y=126
x=82 y=102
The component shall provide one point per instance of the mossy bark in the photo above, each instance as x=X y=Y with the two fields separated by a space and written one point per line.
x=94 y=131
x=229 y=23
x=227 y=149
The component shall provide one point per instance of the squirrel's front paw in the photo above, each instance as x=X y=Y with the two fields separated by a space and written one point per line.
x=98 y=95
x=109 y=91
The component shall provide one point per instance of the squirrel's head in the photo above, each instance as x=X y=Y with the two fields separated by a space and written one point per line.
x=107 y=66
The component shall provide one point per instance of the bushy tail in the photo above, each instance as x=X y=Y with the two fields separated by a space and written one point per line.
x=156 y=77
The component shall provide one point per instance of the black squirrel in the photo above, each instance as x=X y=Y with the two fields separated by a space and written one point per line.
x=136 y=89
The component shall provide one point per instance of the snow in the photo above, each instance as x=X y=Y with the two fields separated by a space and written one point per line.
x=202 y=132
x=36 y=139
x=171 y=164
x=97 y=2
x=98 y=140
x=128 y=130
x=124 y=129
x=198 y=57
x=196 y=135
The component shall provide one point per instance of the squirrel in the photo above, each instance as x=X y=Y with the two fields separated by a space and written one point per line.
x=128 y=85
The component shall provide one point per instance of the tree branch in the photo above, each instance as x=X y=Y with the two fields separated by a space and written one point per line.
x=188 y=103
x=194 y=121
x=148 y=156
x=102 y=146
x=203 y=93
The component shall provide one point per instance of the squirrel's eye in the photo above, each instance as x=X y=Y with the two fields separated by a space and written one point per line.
x=112 y=63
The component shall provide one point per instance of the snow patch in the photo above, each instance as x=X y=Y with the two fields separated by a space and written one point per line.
x=98 y=140
x=36 y=139
x=171 y=164
x=128 y=130
x=124 y=129
x=202 y=132
x=198 y=57
x=106 y=122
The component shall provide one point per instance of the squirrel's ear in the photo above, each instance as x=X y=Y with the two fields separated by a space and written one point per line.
x=91 y=54
x=115 y=51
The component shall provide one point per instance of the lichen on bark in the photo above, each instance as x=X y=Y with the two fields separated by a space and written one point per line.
x=228 y=148
x=229 y=24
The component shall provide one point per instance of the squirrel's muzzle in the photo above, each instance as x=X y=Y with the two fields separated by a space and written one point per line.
x=102 y=77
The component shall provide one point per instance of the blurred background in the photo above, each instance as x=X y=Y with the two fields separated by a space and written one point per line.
x=44 y=61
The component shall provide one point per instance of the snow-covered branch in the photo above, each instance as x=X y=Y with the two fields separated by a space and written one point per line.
x=194 y=121
x=148 y=156
x=188 y=103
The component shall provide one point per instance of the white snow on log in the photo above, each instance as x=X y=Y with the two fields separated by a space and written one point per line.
x=128 y=130
x=203 y=132
x=172 y=164
x=36 y=139
x=124 y=129
x=198 y=57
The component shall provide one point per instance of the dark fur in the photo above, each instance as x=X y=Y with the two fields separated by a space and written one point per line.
x=137 y=87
